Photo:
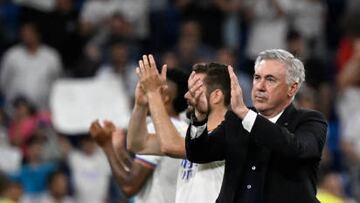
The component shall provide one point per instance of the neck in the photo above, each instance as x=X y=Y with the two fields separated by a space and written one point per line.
x=216 y=116
x=32 y=48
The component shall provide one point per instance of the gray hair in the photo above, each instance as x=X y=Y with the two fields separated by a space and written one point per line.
x=295 y=68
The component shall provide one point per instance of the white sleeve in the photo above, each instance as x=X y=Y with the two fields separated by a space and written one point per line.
x=196 y=131
x=149 y=160
x=249 y=120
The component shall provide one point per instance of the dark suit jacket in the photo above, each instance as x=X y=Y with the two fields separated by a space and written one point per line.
x=291 y=149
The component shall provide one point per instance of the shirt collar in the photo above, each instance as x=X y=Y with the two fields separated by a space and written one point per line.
x=275 y=118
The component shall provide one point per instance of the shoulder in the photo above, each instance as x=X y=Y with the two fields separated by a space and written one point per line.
x=309 y=114
x=45 y=49
x=14 y=51
x=230 y=115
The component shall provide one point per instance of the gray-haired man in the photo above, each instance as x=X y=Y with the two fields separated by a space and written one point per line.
x=271 y=151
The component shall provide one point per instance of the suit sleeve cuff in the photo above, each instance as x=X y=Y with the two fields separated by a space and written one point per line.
x=249 y=120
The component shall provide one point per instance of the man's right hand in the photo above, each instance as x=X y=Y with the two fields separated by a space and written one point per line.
x=196 y=97
x=102 y=135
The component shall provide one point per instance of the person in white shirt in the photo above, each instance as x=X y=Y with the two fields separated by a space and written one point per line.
x=196 y=182
x=29 y=69
x=272 y=151
x=151 y=178
x=90 y=172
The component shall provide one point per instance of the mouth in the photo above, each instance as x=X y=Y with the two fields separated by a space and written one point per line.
x=260 y=98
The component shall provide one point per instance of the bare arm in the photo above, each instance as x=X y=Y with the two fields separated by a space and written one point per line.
x=130 y=175
x=138 y=139
x=171 y=142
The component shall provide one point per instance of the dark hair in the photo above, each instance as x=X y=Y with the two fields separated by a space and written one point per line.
x=180 y=79
x=22 y=100
x=293 y=35
x=4 y=183
x=217 y=77
x=51 y=177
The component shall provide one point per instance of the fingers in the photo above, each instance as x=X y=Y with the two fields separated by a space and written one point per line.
x=234 y=82
x=94 y=127
x=198 y=93
x=196 y=85
x=147 y=65
x=163 y=72
x=192 y=80
x=193 y=96
x=109 y=125
x=232 y=75
x=142 y=66
x=152 y=62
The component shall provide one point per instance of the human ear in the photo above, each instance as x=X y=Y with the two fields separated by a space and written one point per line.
x=217 y=96
x=293 y=89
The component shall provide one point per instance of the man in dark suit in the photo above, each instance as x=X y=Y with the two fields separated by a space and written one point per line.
x=271 y=151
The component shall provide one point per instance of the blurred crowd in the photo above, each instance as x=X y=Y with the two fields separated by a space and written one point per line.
x=44 y=41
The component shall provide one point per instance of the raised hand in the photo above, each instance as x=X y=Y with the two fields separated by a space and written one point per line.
x=140 y=97
x=237 y=102
x=149 y=77
x=102 y=134
x=196 y=96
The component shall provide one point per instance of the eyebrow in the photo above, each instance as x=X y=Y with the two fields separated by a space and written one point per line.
x=266 y=76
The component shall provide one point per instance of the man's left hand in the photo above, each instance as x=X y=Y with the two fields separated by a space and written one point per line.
x=149 y=77
x=237 y=102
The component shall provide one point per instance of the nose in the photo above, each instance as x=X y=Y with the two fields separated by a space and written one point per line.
x=259 y=84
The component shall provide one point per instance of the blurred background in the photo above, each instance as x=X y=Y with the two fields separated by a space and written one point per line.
x=64 y=63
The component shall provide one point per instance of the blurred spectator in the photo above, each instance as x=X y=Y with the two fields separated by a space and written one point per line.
x=29 y=69
x=318 y=77
x=227 y=56
x=349 y=114
x=58 y=189
x=190 y=48
x=231 y=25
x=23 y=124
x=10 y=159
x=121 y=68
x=348 y=41
x=61 y=31
x=10 y=191
x=331 y=189
x=209 y=15
x=89 y=166
x=119 y=29
x=8 y=24
x=268 y=25
x=305 y=98
x=350 y=75
x=37 y=4
x=171 y=60
x=308 y=19
x=34 y=173
x=96 y=13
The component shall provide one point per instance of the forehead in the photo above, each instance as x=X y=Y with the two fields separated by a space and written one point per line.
x=270 y=67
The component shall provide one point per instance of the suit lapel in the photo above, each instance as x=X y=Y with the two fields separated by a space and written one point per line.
x=286 y=115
